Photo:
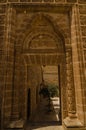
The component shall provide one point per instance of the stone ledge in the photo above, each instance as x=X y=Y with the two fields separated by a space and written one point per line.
x=73 y=124
x=18 y=124
x=65 y=128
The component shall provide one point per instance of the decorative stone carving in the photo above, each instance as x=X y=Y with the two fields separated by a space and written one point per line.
x=42 y=35
x=70 y=84
x=71 y=120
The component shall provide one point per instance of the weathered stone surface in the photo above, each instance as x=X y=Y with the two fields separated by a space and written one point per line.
x=48 y=0
x=3 y=1
x=83 y=20
x=24 y=0
x=71 y=1
x=36 y=0
x=13 y=0
x=82 y=9
x=56 y=21
x=83 y=30
x=59 y=1
x=82 y=1
x=2 y=19
x=2 y=9
x=85 y=55
x=84 y=42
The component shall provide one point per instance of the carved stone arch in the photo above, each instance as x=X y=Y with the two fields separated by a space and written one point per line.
x=41 y=26
x=52 y=22
x=47 y=39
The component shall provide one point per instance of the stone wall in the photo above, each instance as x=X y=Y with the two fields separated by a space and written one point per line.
x=9 y=52
x=82 y=23
x=46 y=1
x=2 y=54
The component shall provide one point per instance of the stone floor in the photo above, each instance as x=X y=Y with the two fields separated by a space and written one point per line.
x=46 y=119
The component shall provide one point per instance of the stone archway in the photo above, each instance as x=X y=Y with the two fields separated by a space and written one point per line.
x=43 y=41
x=46 y=47
x=49 y=55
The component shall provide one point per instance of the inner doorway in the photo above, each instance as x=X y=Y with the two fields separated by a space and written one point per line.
x=51 y=77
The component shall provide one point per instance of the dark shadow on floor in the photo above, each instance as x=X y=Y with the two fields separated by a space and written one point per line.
x=40 y=125
x=44 y=117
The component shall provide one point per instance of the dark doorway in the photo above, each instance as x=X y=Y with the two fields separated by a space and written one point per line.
x=60 y=115
x=28 y=104
x=0 y=119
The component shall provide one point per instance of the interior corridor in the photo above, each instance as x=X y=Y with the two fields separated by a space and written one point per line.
x=45 y=118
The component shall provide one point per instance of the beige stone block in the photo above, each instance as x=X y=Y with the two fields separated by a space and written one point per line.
x=82 y=9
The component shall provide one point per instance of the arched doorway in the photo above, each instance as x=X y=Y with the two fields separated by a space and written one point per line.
x=46 y=47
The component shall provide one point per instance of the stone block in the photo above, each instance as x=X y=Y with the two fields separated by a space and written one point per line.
x=2 y=9
x=36 y=0
x=72 y=1
x=13 y=0
x=82 y=1
x=48 y=0
x=82 y=9
x=24 y=0
x=84 y=42
x=3 y=1
x=2 y=19
x=85 y=56
x=83 y=20
x=83 y=30
x=59 y=1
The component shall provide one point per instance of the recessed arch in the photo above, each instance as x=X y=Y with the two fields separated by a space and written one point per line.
x=41 y=26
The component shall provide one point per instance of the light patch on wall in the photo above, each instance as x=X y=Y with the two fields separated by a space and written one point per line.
x=50 y=74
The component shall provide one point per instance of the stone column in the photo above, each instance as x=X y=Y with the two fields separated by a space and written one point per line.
x=71 y=120
x=8 y=64
x=70 y=86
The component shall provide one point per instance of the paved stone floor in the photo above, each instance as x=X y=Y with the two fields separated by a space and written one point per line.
x=45 y=119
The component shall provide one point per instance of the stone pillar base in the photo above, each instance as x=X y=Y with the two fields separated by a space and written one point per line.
x=73 y=128
x=72 y=124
